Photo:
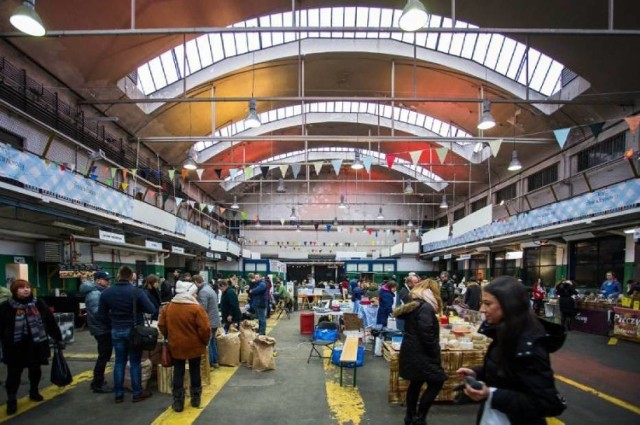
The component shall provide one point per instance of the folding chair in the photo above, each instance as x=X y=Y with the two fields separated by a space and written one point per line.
x=325 y=334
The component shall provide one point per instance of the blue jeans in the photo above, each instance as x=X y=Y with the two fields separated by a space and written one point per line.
x=120 y=339
x=356 y=306
x=262 y=320
x=213 y=349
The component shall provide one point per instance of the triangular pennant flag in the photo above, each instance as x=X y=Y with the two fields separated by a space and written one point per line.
x=317 y=166
x=337 y=163
x=633 y=123
x=172 y=174
x=248 y=173
x=125 y=185
x=244 y=215
x=366 y=161
x=295 y=168
x=222 y=210
x=191 y=203
x=113 y=173
x=283 y=169
x=184 y=172
x=282 y=221
x=234 y=213
x=93 y=176
x=316 y=225
x=596 y=129
x=328 y=227
x=561 y=136
x=218 y=173
x=391 y=158
x=134 y=172
x=442 y=154
x=108 y=182
x=124 y=174
x=233 y=172
x=151 y=193
x=415 y=156
x=199 y=172
x=494 y=146
x=178 y=201
x=264 y=169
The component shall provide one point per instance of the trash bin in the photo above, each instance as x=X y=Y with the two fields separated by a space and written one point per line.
x=306 y=323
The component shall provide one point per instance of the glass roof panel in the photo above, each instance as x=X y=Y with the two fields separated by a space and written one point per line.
x=145 y=81
x=204 y=50
x=216 y=47
x=158 y=72
x=169 y=66
x=192 y=56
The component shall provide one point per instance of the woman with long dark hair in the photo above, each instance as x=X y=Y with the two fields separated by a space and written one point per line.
x=153 y=292
x=419 y=360
x=516 y=377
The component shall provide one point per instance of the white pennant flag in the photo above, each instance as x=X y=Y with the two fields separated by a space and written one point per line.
x=317 y=166
x=415 y=156
x=367 y=160
x=283 y=170
x=337 y=163
x=234 y=173
x=178 y=201
x=191 y=203
x=442 y=154
x=295 y=168
x=199 y=172
x=210 y=208
x=494 y=145
x=282 y=221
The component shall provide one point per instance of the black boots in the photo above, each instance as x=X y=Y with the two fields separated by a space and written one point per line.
x=420 y=419
x=196 y=394
x=178 y=400
x=12 y=404
x=35 y=395
x=408 y=419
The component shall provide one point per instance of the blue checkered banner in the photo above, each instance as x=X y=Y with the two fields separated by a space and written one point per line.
x=618 y=197
x=52 y=180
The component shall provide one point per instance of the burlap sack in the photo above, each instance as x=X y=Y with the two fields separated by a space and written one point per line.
x=228 y=349
x=147 y=367
x=263 y=353
x=247 y=335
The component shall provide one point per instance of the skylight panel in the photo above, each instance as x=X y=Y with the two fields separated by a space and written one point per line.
x=445 y=129
x=372 y=108
x=287 y=21
x=253 y=41
x=217 y=51
x=179 y=51
x=420 y=120
x=428 y=123
x=404 y=115
x=297 y=110
x=532 y=63
x=242 y=46
x=229 y=43
x=457 y=41
x=362 y=16
x=505 y=56
x=265 y=37
x=337 y=20
x=322 y=107
x=192 y=56
x=516 y=62
x=158 y=73
x=280 y=113
x=145 y=80
x=396 y=113
x=493 y=51
x=169 y=66
x=482 y=44
x=339 y=107
x=544 y=63
x=468 y=45
x=204 y=49
x=272 y=115
x=552 y=82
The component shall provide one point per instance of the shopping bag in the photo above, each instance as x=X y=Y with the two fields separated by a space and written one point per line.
x=165 y=358
x=492 y=416
x=60 y=373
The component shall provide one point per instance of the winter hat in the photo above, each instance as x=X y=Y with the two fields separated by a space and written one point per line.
x=184 y=287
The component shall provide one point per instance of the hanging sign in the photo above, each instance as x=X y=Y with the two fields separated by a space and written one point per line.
x=209 y=254
x=464 y=257
x=177 y=249
x=153 y=245
x=217 y=256
x=19 y=260
x=111 y=237
x=435 y=259
x=447 y=256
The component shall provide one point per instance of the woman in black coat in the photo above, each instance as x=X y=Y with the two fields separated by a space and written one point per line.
x=567 y=303
x=516 y=377
x=153 y=293
x=25 y=325
x=420 y=350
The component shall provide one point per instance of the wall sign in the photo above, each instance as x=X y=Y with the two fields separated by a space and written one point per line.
x=19 y=260
x=447 y=256
x=111 y=237
x=153 y=245
x=177 y=249
x=209 y=254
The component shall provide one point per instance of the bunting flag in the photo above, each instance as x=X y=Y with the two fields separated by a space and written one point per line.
x=124 y=174
x=218 y=173
x=184 y=172
x=248 y=172
x=561 y=136
x=282 y=221
x=93 y=176
x=328 y=228
x=283 y=170
x=124 y=185
x=164 y=187
x=264 y=169
x=222 y=210
x=391 y=158
x=318 y=166
x=442 y=154
x=295 y=169
x=366 y=161
x=151 y=193
x=415 y=156
x=210 y=208
x=494 y=146
x=108 y=182
x=316 y=225
x=191 y=203
x=234 y=213
x=172 y=174
x=233 y=172
x=337 y=163
x=370 y=231
x=244 y=215
x=134 y=172
x=633 y=123
x=199 y=172
x=113 y=172
x=178 y=201
x=596 y=129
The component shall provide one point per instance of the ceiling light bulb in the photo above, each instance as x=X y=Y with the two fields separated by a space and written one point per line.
x=25 y=18
x=443 y=204
x=342 y=204
x=410 y=223
x=235 y=205
x=515 y=164
x=293 y=215
x=357 y=162
x=252 y=120
x=414 y=16
x=380 y=216
x=408 y=189
x=486 y=120
x=189 y=164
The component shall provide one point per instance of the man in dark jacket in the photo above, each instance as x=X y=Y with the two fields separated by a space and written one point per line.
x=167 y=288
x=98 y=327
x=447 y=289
x=116 y=303
x=259 y=302
x=385 y=307
x=229 y=306
x=473 y=296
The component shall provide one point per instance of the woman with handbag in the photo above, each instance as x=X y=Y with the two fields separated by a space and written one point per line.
x=185 y=324
x=25 y=324
x=517 y=385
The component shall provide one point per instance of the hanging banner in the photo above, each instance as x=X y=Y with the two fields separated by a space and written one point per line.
x=367 y=160
x=295 y=168
x=113 y=172
x=283 y=170
x=248 y=173
x=110 y=237
x=202 y=206
x=317 y=166
x=596 y=129
x=264 y=169
x=233 y=172
x=172 y=174
x=336 y=163
x=218 y=172
x=244 y=215
x=633 y=123
x=561 y=135
x=442 y=154
x=210 y=208
x=494 y=146
x=391 y=158
x=134 y=171
x=415 y=156
x=184 y=172
x=199 y=172
x=124 y=185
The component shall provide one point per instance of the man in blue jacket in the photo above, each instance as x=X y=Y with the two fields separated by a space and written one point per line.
x=116 y=303
x=98 y=327
x=259 y=296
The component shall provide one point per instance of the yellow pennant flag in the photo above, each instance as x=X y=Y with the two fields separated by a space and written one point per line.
x=125 y=185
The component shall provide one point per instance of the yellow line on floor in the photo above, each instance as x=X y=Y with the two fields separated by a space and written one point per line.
x=82 y=356
x=345 y=403
x=604 y=396
x=554 y=421
x=219 y=377
x=50 y=392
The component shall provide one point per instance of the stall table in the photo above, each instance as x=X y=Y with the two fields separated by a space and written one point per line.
x=593 y=318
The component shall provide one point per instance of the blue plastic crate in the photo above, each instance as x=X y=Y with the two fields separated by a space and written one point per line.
x=335 y=359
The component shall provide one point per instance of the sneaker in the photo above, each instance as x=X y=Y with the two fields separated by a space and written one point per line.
x=102 y=389
x=119 y=398
x=145 y=394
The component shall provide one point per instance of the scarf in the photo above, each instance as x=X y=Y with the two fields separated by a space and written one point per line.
x=28 y=320
x=184 y=298
x=426 y=295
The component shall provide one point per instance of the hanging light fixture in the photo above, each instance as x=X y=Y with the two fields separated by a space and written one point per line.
x=410 y=223
x=252 y=120
x=357 y=162
x=281 y=188
x=443 y=204
x=486 y=119
x=335 y=221
x=25 y=18
x=380 y=216
x=515 y=163
x=298 y=228
x=293 y=217
x=477 y=148
x=258 y=224
x=408 y=189
x=414 y=16
x=190 y=162
x=342 y=205
x=235 y=205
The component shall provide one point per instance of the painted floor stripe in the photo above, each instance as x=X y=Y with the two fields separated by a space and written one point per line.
x=554 y=421
x=345 y=403
x=219 y=377
x=50 y=392
x=607 y=397
x=80 y=356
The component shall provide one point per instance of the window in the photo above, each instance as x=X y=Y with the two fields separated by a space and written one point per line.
x=539 y=262
x=543 y=177
x=11 y=139
x=479 y=204
x=506 y=193
x=500 y=266
x=605 y=151
x=593 y=258
x=458 y=214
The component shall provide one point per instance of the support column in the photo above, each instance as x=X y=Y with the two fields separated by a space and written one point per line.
x=629 y=259
x=562 y=260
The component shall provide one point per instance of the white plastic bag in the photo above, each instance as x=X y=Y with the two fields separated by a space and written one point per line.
x=377 y=351
x=492 y=416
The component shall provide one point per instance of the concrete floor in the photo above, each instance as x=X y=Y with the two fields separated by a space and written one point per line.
x=301 y=393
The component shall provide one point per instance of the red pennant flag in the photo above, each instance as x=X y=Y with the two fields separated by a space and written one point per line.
x=218 y=172
x=184 y=173
x=391 y=158
x=633 y=123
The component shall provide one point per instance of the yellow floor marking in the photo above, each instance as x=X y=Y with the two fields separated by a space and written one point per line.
x=613 y=341
x=50 y=392
x=554 y=421
x=346 y=403
x=607 y=397
x=81 y=356
x=219 y=378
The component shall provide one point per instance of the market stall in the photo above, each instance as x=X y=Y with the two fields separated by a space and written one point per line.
x=626 y=323
x=593 y=317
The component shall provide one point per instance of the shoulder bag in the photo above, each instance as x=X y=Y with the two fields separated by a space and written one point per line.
x=142 y=337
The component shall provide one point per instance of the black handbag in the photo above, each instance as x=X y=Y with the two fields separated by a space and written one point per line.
x=142 y=337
